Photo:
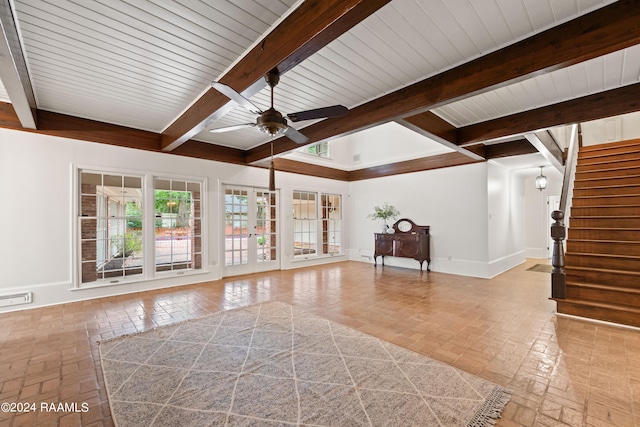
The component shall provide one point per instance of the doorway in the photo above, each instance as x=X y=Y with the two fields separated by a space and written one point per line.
x=553 y=204
x=251 y=230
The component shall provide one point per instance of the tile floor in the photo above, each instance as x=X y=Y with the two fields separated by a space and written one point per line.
x=562 y=371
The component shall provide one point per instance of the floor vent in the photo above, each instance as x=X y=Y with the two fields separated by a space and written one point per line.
x=15 y=299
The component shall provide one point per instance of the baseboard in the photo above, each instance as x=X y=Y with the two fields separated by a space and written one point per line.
x=442 y=265
x=49 y=294
x=500 y=265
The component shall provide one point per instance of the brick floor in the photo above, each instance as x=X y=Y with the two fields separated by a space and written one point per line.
x=562 y=371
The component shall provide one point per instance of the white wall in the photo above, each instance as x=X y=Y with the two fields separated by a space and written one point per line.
x=506 y=204
x=619 y=128
x=36 y=183
x=475 y=212
x=452 y=201
x=382 y=144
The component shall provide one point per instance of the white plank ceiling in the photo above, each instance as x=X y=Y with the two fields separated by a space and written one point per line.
x=141 y=63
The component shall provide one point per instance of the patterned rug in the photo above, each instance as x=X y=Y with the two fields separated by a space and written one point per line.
x=273 y=364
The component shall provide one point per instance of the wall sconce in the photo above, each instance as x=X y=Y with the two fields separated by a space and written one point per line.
x=541 y=181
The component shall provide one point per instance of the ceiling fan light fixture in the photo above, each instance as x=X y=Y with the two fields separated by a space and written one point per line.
x=272 y=123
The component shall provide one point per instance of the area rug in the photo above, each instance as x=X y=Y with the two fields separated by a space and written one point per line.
x=274 y=364
x=542 y=268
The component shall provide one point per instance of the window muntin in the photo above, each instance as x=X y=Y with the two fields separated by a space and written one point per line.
x=178 y=225
x=236 y=202
x=266 y=228
x=116 y=237
x=320 y=149
x=111 y=230
x=316 y=225
x=331 y=224
x=305 y=224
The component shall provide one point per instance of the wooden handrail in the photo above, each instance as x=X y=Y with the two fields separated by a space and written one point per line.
x=558 y=228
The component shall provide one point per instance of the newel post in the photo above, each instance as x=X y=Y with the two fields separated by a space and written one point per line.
x=558 y=278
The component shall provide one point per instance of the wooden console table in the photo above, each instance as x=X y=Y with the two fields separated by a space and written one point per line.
x=408 y=241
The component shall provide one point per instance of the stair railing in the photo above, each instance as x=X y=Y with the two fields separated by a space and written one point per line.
x=558 y=228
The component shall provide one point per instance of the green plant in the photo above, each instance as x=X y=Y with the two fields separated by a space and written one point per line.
x=128 y=244
x=384 y=212
x=262 y=240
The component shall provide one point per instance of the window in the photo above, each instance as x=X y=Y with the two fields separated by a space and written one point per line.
x=316 y=225
x=320 y=149
x=305 y=223
x=331 y=224
x=110 y=226
x=178 y=225
x=116 y=238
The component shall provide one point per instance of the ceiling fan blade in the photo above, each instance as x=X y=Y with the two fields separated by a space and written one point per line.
x=319 y=113
x=230 y=93
x=295 y=135
x=234 y=127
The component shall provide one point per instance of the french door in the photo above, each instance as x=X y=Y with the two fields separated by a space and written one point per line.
x=251 y=241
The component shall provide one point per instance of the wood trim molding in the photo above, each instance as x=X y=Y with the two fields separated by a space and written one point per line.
x=591 y=35
x=64 y=126
x=305 y=31
x=302 y=168
x=508 y=149
x=415 y=165
x=13 y=69
x=54 y=124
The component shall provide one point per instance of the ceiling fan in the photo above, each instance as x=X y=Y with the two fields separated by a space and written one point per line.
x=271 y=121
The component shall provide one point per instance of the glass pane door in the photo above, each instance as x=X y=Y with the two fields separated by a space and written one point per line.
x=250 y=230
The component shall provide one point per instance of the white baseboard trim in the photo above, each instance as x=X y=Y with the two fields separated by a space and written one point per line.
x=49 y=294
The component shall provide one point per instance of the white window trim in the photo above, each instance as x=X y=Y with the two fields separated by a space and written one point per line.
x=318 y=219
x=148 y=219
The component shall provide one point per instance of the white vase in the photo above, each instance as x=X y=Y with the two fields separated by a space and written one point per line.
x=384 y=228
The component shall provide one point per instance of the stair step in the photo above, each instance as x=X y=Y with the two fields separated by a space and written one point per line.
x=604 y=261
x=604 y=173
x=601 y=311
x=604 y=293
x=603 y=247
x=607 y=200
x=607 y=190
x=605 y=234
x=609 y=157
x=629 y=279
x=618 y=210
x=608 y=146
x=607 y=181
x=604 y=165
x=632 y=221
x=609 y=247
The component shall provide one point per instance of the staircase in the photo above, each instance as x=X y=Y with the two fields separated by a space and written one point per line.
x=603 y=244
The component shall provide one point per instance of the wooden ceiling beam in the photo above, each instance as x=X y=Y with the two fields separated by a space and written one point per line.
x=547 y=145
x=591 y=107
x=605 y=30
x=508 y=149
x=302 y=168
x=64 y=126
x=415 y=165
x=435 y=128
x=13 y=69
x=313 y=25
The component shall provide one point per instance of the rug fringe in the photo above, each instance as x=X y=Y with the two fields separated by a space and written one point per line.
x=489 y=413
